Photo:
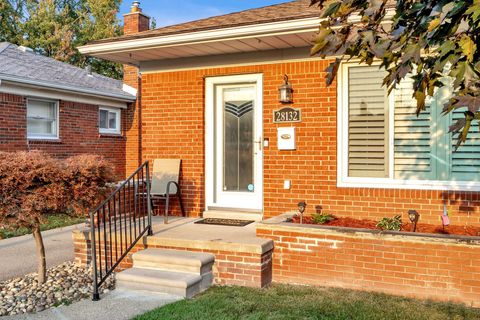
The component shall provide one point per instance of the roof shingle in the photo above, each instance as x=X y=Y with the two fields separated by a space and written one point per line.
x=18 y=63
x=298 y=9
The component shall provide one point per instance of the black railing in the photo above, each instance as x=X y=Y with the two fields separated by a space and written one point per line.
x=118 y=224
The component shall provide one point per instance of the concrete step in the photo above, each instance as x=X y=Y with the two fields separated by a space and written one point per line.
x=174 y=260
x=180 y=284
x=236 y=215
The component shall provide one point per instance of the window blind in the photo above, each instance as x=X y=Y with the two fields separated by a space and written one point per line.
x=41 y=119
x=413 y=147
x=367 y=123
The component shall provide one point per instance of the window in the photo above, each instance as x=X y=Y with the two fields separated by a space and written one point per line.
x=42 y=119
x=109 y=120
x=382 y=142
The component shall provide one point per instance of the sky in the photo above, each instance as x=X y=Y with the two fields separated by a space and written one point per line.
x=169 y=12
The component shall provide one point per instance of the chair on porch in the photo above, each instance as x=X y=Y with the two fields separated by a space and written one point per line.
x=164 y=185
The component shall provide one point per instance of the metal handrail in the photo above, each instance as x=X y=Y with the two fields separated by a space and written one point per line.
x=123 y=226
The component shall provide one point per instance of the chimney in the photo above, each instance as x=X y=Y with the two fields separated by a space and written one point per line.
x=135 y=21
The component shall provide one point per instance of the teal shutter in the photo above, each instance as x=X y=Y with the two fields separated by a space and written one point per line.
x=465 y=162
x=413 y=147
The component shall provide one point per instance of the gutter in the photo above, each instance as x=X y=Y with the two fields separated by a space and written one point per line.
x=220 y=34
x=247 y=31
x=66 y=88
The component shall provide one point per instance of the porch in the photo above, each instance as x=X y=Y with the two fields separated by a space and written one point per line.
x=241 y=258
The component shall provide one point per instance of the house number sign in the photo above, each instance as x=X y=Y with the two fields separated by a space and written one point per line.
x=287 y=115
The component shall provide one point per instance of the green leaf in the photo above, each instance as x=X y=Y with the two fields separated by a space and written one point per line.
x=468 y=47
x=332 y=9
x=320 y=41
x=434 y=24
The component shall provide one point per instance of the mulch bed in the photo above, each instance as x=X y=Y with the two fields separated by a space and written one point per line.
x=347 y=222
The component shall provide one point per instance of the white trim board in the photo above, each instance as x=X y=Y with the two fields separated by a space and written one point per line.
x=232 y=33
x=252 y=30
x=41 y=93
x=213 y=197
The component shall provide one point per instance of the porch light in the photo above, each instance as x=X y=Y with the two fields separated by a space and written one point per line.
x=286 y=91
x=413 y=216
x=301 y=209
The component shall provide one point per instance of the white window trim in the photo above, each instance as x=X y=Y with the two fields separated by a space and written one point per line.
x=57 y=122
x=118 y=114
x=344 y=181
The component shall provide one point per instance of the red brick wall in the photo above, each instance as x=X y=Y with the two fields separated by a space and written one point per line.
x=78 y=132
x=13 y=126
x=134 y=23
x=446 y=270
x=173 y=126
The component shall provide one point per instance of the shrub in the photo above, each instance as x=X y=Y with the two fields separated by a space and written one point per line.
x=33 y=186
x=393 y=224
x=322 y=218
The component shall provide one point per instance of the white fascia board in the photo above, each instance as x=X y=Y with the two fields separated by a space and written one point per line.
x=130 y=90
x=224 y=34
x=52 y=94
x=66 y=88
x=304 y=25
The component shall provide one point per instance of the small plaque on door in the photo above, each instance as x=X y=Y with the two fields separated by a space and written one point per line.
x=287 y=115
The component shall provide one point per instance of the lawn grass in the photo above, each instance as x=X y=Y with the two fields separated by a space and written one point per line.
x=53 y=222
x=281 y=302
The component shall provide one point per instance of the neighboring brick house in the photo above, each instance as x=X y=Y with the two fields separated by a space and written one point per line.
x=61 y=109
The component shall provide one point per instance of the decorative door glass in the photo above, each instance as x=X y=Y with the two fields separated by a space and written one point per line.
x=238 y=137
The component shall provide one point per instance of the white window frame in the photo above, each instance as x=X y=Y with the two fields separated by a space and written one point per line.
x=57 y=121
x=344 y=181
x=118 y=115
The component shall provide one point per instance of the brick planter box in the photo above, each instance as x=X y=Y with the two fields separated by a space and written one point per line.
x=438 y=267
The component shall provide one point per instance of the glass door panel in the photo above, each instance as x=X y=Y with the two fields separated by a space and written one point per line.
x=238 y=139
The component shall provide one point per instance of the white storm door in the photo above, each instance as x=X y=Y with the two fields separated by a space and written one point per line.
x=236 y=174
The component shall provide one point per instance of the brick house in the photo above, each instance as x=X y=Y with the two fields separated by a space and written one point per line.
x=380 y=161
x=61 y=109
x=209 y=94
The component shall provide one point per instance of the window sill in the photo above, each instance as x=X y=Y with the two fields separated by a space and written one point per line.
x=375 y=183
x=44 y=140
x=110 y=135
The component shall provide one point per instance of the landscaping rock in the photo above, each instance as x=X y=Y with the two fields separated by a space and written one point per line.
x=65 y=284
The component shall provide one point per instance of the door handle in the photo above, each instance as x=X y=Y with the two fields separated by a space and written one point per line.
x=260 y=144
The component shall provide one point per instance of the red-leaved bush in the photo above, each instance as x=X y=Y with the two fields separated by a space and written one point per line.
x=34 y=185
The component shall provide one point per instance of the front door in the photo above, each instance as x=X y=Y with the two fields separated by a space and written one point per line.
x=234 y=143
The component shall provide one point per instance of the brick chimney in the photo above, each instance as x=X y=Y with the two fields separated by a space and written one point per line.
x=135 y=21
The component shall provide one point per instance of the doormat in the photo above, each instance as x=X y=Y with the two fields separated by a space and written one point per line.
x=225 y=222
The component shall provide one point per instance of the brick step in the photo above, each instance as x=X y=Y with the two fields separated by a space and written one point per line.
x=174 y=260
x=180 y=284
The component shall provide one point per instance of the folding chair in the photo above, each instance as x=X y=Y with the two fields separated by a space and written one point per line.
x=165 y=184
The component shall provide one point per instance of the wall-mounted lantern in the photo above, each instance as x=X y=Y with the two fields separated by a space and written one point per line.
x=413 y=216
x=286 y=91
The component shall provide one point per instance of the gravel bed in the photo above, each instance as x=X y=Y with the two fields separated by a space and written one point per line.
x=65 y=284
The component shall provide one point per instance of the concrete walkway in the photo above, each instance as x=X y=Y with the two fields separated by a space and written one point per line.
x=18 y=255
x=115 y=305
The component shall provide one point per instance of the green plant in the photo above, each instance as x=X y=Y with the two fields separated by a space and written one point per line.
x=393 y=224
x=322 y=218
